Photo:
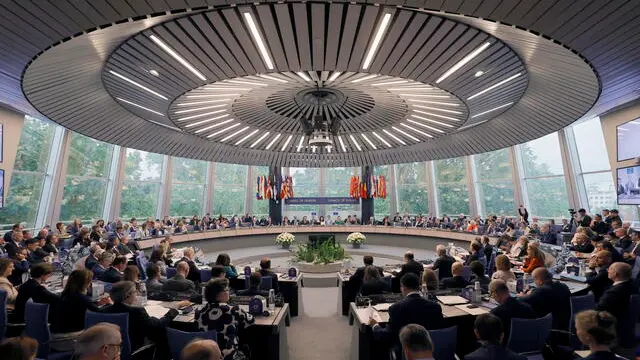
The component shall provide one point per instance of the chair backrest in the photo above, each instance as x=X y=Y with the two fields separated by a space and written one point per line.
x=205 y=275
x=142 y=262
x=179 y=339
x=492 y=263
x=171 y=272
x=67 y=243
x=266 y=283
x=36 y=319
x=466 y=272
x=3 y=313
x=389 y=280
x=529 y=335
x=578 y=304
x=636 y=268
x=444 y=343
x=122 y=320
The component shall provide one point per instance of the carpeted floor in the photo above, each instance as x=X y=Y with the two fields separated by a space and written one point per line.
x=320 y=333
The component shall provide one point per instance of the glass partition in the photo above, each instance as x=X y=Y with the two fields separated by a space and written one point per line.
x=142 y=181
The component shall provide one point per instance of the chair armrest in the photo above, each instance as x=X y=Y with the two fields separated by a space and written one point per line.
x=392 y=354
x=141 y=350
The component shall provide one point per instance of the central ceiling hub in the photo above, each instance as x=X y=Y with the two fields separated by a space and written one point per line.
x=320 y=97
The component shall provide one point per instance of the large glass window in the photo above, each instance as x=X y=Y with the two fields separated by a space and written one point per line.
x=141 y=184
x=411 y=188
x=187 y=188
x=229 y=190
x=29 y=173
x=543 y=175
x=260 y=207
x=85 y=187
x=451 y=186
x=382 y=207
x=494 y=183
x=306 y=183
x=337 y=185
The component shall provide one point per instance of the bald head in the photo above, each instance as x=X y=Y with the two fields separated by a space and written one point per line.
x=620 y=271
x=542 y=276
x=183 y=268
x=98 y=342
x=201 y=350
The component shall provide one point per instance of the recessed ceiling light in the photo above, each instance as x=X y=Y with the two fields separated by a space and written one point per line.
x=434 y=102
x=209 y=120
x=213 y=126
x=432 y=121
x=381 y=139
x=364 y=78
x=154 y=72
x=140 y=106
x=479 y=73
x=208 y=95
x=436 y=115
x=273 y=78
x=201 y=115
x=425 y=126
x=259 y=139
x=303 y=75
x=369 y=141
x=394 y=137
x=244 y=82
x=246 y=137
x=273 y=141
x=176 y=56
x=300 y=144
x=286 y=143
x=427 y=95
x=313 y=148
x=490 y=110
x=258 y=39
x=200 y=108
x=223 y=130
x=463 y=62
x=202 y=102
x=328 y=147
x=234 y=134
x=416 y=130
x=391 y=83
x=355 y=143
x=405 y=134
x=382 y=28
x=138 y=85
x=334 y=76
x=438 y=109
x=494 y=86
x=342 y=144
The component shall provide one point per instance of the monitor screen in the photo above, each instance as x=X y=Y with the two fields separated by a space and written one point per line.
x=628 y=144
x=629 y=185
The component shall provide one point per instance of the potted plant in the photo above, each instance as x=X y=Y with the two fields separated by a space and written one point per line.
x=285 y=240
x=356 y=239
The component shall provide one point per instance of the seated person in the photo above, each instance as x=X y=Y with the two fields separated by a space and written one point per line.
x=487 y=248
x=582 y=243
x=598 y=279
x=230 y=270
x=51 y=244
x=33 y=289
x=443 y=262
x=478 y=274
x=124 y=248
x=415 y=343
x=413 y=309
x=155 y=282
x=503 y=269
x=6 y=268
x=430 y=283
x=533 y=260
x=488 y=330
x=623 y=241
x=373 y=283
x=634 y=251
x=410 y=266
x=476 y=254
x=36 y=254
x=114 y=273
x=549 y=297
x=547 y=235
x=226 y=319
x=19 y=348
x=358 y=275
x=597 y=330
x=105 y=260
x=457 y=281
x=179 y=282
x=304 y=221
x=616 y=256
x=509 y=307
x=599 y=226
x=265 y=270
x=20 y=266
x=101 y=341
x=131 y=273
x=95 y=251
x=218 y=272
x=519 y=249
x=199 y=349
x=141 y=325
x=254 y=287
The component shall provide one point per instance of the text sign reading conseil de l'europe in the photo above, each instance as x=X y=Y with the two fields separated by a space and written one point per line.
x=321 y=201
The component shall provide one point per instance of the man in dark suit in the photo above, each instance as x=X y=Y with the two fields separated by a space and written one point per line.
x=33 y=289
x=488 y=330
x=615 y=300
x=254 y=286
x=410 y=266
x=194 y=272
x=14 y=243
x=416 y=343
x=114 y=273
x=634 y=249
x=549 y=297
x=413 y=309
x=265 y=270
x=599 y=226
x=457 y=281
x=9 y=234
x=141 y=325
x=36 y=254
x=623 y=240
x=92 y=259
x=443 y=263
x=585 y=220
x=179 y=282
x=509 y=307
x=598 y=279
x=359 y=274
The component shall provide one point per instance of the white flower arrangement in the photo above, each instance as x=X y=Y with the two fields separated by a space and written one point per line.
x=356 y=238
x=285 y=238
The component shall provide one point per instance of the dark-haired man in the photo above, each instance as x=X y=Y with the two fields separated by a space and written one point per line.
x=265 y=270
x=509 y=307
x=488 y=330
x=114 y=273
x=599 y=226
x=254 y=286
x=33 y=289
x=359 y=274
x=410 y=266
x=584 y=219
x=549 y=297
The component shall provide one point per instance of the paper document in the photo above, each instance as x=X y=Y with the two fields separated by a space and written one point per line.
x=452 y=300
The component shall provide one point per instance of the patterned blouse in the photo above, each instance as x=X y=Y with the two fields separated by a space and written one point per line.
x=227 y=320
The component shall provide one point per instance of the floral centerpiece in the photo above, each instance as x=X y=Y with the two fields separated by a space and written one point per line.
x=285 y=240
x=356 y=239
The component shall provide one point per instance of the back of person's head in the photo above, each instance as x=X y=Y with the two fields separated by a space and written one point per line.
x=503 y=263
x=199 y=349
x=265 y=263
x=121 y=291
x=457 y=268
x=441 y=250
x=416 y=341
x=623 y=271
x=156 y=255
x=368 y=260
x=217 y=271
x=39 y=270
x=410 y=282
x=223 y=259
x=188 y=252
x=498 y=287
x=102 y=338
x=78 y=282
x=371 y=273
x=107 y=258
x=183 y=268
x=488 y=327
x=4 y=265
x=477 y=268
x=408 y=255
x=18 y=348
x=214 y=287
x=485 y=239
x=153 y=270
x=430 y=279
x=543 y=275
x=131 y=273
x=596 y=328
x=254 y=279
x=119 y=260
x=475 y=246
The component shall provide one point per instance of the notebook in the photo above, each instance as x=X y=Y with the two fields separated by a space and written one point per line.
x=452 y=300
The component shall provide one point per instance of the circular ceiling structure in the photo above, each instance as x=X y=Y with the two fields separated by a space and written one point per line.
x=254 y=84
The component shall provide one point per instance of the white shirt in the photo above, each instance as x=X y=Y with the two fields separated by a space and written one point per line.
x=619 y=282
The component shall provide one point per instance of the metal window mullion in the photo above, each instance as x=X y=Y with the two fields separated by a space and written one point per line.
x=393 y=203
x=54 y=178
x=113 y=186
x=519 y=186
x=118 y=177
x=480 y=206
x=472 y=204
x=569 y=174
x=164 y=196
x=248 y=199
x=434 y=187
x=208 y=194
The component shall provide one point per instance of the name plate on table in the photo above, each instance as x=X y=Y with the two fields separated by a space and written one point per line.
x=256 y=306
x=293 y=272
x=247 y=271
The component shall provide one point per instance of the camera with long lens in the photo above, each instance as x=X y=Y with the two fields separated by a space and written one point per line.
x=572 y=212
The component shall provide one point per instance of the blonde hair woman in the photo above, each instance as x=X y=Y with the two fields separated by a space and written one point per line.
x=503 y=269
x=597 y=330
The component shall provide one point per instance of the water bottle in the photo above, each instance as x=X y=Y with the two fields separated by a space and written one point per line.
x=525 y=281
x=142 y=293
x=204 y=299
x=272 y=301
x=477 y=293
x=425 y=291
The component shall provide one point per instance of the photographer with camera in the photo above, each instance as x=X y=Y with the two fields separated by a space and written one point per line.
x=584 y=220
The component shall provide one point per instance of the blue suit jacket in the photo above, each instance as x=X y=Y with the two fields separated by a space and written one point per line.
x=411 y=310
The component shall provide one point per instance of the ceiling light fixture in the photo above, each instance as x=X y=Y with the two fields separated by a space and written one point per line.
x=479 y=73
x=391 y=82
x=313 y=148
x=328 y=149
x=202 y=102
x=201 y=115
x=434 y=102
x=364 y=78
x=490 y=110
x=223 y=130
x=234 y=134
x=244 y=82
x=273 y=141
x=286 y=143
x=303 y=75
x=176 y=56
x=259 y=139
x=334 y=76
x=494 y=86
x=416 y=130
x=463 y=62
x=140 y=106
x=154 y=72
x=273 y=78
x=207 y=120
x=425 y=126
x=208 y=95
x=258 y=39
x=432 y=121
x=382 y=28
x=200 y=108
x=355 y=143
x=369 y=141
x=381 y=139
x=246 y=137
x=436 y=115
x=394 y=137
x=300 y=144
x=438 y=109
x=213 y=126
x=344 y=149
x=405 y=134
x=138 y=85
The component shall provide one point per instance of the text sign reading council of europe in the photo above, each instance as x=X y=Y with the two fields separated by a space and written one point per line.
x=321 y=200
